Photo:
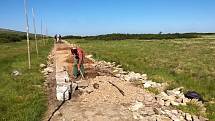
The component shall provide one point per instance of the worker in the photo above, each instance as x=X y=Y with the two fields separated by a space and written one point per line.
x=59 y=38
x=55 y=38
x=78 y=67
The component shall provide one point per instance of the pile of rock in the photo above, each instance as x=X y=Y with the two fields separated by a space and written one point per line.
x=172 y=97
x=48 y=68
x=176 y=97
x=144 y=113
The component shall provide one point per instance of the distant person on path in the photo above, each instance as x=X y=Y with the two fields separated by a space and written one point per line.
x=55 y=38
x=78 y=65
x=58 y=38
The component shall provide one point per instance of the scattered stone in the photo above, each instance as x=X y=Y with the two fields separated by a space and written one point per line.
x=175 y=118
x=96 y=86
x=42 y=66
x=163 y=95
x=74 y=86
x=144 y=76
x=203 y=119
x=58 y=113
x=174 y=103
x=157 y=111
x=137 y=116
x=16 y=73
x=185 y=100
x=150 y=111
x=175 y=112
x=89 y=56
x=182 y=118
x=161 y=102
x=118 y=75
x=89 y=90
x=82 y=84
x=167 y=103
x=132 y=77
x=147 y=85
x=37 y=86
x=173 y=92
x=118 y=66
x=163 y=118
x=188 y=117
x=49 y=70
x=136 y=106
x=195 y=118
x=179 y=100
x=115 y=71
x=171 y=98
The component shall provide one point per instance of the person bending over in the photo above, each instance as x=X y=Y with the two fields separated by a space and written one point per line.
x=78 y=66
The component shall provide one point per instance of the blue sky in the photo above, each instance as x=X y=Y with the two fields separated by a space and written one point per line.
x=92 y=17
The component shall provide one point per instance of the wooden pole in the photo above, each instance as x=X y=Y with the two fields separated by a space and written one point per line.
x=27 y=33
x=35 y=31
x=46 y=33
x=42 y=31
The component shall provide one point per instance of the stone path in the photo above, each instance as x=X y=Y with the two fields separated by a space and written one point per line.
x=95 y=99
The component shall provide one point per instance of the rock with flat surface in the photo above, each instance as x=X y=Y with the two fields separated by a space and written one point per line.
x=63 y=91
x=174 y=103
x=42 y=65
x=195 y=118
x=82 y=84
x=188 y=117
x=16 y=73
x=147 y=85
x=136 y=106
x=157 y=111
x=203 y=119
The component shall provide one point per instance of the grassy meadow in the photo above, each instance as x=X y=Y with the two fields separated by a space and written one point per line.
x=180 y=62
x=22 y=98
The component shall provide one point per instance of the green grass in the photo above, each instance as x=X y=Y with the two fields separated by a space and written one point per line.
x=180 y=62
x=21 y=99
x=191 y=108
x=211 y=111
x=153 y=90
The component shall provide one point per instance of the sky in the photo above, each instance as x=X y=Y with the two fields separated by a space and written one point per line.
x=94 y=17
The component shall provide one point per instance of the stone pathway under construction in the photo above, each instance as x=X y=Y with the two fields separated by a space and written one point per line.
x=101 y=96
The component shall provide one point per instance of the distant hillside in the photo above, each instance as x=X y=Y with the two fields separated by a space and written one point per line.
x=118 y=36
x=7 y=35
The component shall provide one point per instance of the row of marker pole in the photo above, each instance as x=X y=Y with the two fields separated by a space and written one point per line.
x=35 y=33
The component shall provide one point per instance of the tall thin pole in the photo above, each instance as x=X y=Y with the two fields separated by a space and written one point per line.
x=27 y=33
x=35 y=31
x=46 y=32
x=42 y=31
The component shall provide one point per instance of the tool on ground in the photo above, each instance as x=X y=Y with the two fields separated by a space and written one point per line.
x=117 y=88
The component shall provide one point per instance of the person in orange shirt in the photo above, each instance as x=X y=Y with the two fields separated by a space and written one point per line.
x=78 y=66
